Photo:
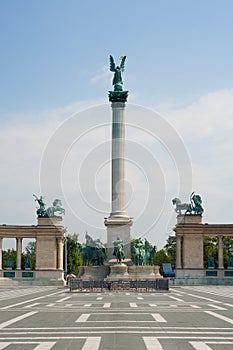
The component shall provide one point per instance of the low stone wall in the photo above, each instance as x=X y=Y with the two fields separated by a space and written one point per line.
x=32 y=277
x=79 y=285
x=226 y=281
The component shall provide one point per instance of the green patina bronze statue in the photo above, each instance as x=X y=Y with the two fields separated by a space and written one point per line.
x=118 y=95
x=117 y=79
x=193 y=208
x=142 y=253
x=56 y=208
x=51 y=211
x=41 y=211
x=93 y=252
x=118 y=250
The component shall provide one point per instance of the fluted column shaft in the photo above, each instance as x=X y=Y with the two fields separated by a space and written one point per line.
x=178 y=252
x=60 y=254
x=18 y=253
x=220 y=252
x=118 y=160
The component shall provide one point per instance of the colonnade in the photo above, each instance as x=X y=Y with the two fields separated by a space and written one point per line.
x=59 y=254
x=180 y=255
x=190 y=233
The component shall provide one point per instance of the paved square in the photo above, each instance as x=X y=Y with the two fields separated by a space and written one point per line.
x=187 y=318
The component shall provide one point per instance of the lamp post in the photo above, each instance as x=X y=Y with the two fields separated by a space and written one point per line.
x=65 y=246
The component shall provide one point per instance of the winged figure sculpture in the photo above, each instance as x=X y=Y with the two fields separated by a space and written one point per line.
x=117 y=79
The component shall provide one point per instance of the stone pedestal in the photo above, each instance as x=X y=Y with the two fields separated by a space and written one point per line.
x=48 y=221
x=118 y=227
x=90 y=273
x=118 y=272
x=157 y=273
x=143 y=272
x=189 y=219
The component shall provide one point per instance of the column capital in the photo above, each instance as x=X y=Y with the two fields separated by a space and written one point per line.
x=118 y=96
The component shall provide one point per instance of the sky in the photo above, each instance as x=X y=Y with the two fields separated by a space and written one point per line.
x=55 y=135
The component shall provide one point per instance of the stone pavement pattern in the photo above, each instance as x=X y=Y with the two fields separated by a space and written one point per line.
x=187 y=318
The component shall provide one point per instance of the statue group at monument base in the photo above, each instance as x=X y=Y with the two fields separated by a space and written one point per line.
x=119 y=272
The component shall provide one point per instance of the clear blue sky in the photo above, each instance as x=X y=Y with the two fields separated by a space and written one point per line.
x=55 y=58
x=50 y=50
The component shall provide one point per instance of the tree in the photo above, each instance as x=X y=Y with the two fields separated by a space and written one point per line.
x=170 y=249
x=160 y=258
x=30 y=252
x=210 y=250
x=227 y=249
x=74 y=256
x=10 y=253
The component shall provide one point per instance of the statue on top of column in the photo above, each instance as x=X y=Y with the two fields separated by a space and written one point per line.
x=118 y=95
x=117 y=79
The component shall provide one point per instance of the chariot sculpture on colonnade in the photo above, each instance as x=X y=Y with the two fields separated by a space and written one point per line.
x=192 y=208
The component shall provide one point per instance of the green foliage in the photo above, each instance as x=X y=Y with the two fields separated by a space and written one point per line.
x=170 y=249
x=10 y=253
x=227 y=249
x=30 y=252
x=160 y=258
x=210 y=249
x=74 y=256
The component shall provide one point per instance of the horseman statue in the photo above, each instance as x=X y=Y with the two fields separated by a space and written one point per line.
x=51 y=211
x=192 y=208
x=93 y=252
x=118 y=250
x=56 y=208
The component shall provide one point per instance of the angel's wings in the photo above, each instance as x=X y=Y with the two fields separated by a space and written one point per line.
x=112 y=64
x=122 y=66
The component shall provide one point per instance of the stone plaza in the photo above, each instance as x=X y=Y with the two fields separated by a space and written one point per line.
x=186 y=318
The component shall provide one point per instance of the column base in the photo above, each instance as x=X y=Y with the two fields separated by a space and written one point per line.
x=118 y=214
x=118 y=227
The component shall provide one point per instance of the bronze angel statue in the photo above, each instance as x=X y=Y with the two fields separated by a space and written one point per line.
x=117 y=79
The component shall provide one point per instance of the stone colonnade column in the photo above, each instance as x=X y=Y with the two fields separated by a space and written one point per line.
x=60 y=254
x=178 y=252
x=220 y=252
x=0 y=253
x=18 y=253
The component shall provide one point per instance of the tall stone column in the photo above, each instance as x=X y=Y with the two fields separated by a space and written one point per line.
x=18 y=253
x=118 y=161
x=118 y=223
x=178 y=252
x=220 y=252
x=0 y=253
x=60 y=254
